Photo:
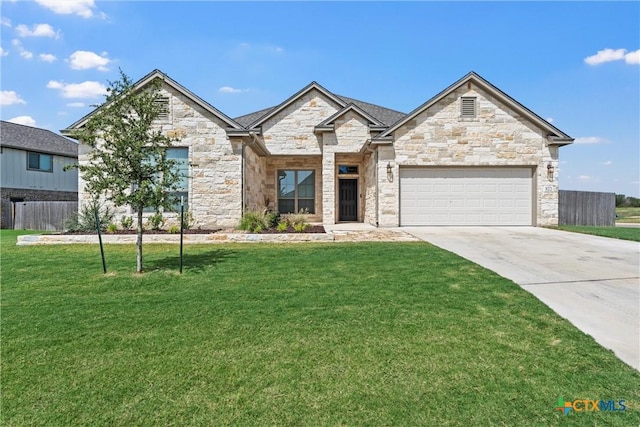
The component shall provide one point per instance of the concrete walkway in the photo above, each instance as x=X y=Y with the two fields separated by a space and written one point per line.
x=594 y=282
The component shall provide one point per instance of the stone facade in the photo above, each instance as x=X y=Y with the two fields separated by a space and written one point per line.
x=234 y=168
x=215 y=177
x=498 y=136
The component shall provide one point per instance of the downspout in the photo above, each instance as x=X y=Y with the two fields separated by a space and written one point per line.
x=377 y=189
x=242 y=166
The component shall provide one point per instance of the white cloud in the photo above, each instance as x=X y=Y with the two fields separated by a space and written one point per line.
x=84 y=60
x=584 y=177
x=47 y=57
x=23 y=120
x=549 y=119
x=632 y=57
x=9 y=97
x=23 y=53
x=610 y=55
x=229 y=89
x=590 y=140
x=86 y=89
x=5 y=22
x=607 y=163
x=76 y=104
x=3 y=52
x=83 y=8
x=37 y=30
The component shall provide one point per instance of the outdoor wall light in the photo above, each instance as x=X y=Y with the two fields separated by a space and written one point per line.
x=550 y=171
x=389 y=172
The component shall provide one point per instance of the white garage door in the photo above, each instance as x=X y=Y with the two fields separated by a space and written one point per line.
x=465 y=196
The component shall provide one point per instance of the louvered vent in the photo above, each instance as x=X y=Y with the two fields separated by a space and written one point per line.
x=467 y=107
x=163 y=103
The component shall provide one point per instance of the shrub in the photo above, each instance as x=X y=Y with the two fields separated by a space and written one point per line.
x=174 y=229
x=85 y=220
x=282 y=226
x=156 y=221
x=256 y=221
x=299 y=227
x=187 y=220
x=298 y=221
x=112 y=228
x=126 y=222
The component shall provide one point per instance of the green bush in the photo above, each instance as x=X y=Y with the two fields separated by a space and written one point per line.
x=126 y=222
x=298 y=221
x=156 y=221
x=85 y=220
x=174 y=229
x=257 y=221
x=282 y=226
x=187 y=220
x=112 y=228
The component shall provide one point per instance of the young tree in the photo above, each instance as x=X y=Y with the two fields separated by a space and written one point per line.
x=128 y=162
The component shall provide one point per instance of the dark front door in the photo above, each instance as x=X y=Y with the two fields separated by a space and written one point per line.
x=348 y=200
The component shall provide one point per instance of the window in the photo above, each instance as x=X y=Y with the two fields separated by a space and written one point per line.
x=39 y=162
x=347 y=170
x=181 y=157
x=467 y=107
x=296 y=191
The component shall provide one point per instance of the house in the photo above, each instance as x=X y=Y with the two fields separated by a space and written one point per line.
x=471 y=155
x=31 y=165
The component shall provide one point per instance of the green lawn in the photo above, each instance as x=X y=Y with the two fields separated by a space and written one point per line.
x=393 y=334
x=628 y=215
x=625 y=233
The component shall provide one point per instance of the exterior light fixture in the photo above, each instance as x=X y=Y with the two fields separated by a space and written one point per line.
x=550 y=171
x=389 y=172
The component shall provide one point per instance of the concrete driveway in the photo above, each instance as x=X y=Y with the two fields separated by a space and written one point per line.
x=594 y=282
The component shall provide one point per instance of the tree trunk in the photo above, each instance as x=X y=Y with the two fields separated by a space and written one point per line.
x=139 y=242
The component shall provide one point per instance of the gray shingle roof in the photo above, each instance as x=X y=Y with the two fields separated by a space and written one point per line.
x=384 y=115
x=35 y=139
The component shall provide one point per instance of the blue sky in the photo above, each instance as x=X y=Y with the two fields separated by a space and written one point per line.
x=576 y=64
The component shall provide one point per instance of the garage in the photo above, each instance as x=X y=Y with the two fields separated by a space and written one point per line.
x=466 y=196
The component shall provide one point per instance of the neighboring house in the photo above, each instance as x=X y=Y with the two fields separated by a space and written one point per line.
x=31 y=167
x=470 y=155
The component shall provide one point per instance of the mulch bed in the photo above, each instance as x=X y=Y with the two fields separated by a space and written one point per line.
x=310 y=229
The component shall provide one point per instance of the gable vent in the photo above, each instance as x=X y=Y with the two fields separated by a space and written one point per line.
x=163 y=103
x=467 y=107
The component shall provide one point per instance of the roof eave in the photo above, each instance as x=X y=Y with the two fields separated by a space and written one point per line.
x=292 y=98
x=157 y=74
x=560 y=141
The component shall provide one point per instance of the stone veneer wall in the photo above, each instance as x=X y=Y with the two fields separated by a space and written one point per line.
x=291 y=130
x=498 y=136
x=338 y=147
x=370 y=198
x=215 y=163
x=255 y=170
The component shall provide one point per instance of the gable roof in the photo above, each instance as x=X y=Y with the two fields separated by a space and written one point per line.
x=328 y=124
x=35 y=139
x=157 y=74
x=384 y=116
x=556 y=134
x=308 y=88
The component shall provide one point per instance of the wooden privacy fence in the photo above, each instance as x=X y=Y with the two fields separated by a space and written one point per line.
x=586 y=208
x=43 y=215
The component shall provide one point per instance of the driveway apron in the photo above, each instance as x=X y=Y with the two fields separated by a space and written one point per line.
x=594 y=282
